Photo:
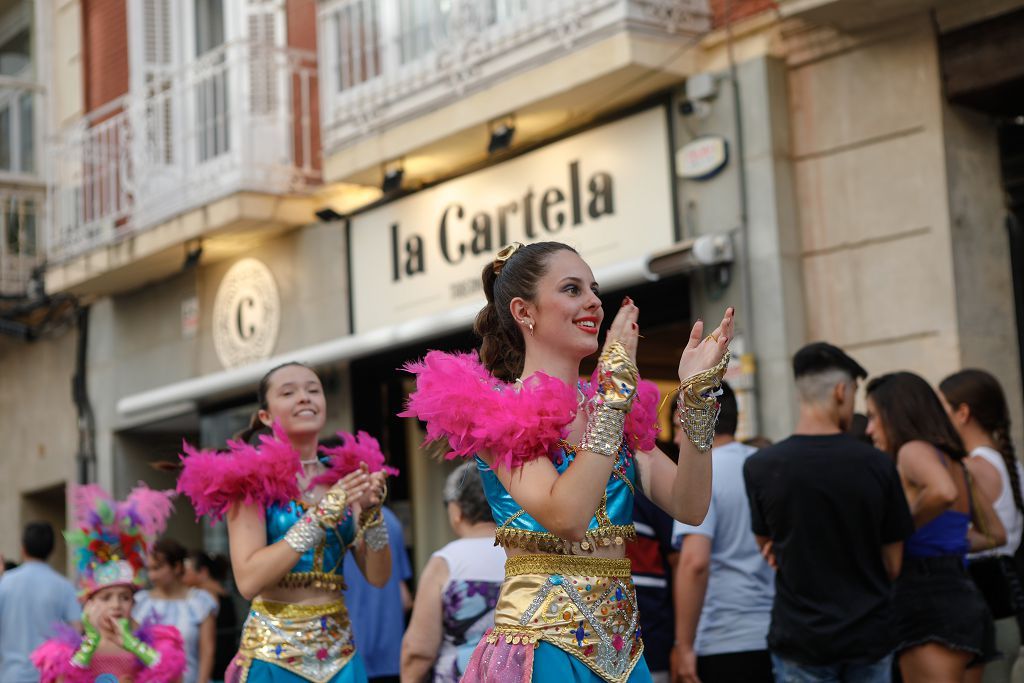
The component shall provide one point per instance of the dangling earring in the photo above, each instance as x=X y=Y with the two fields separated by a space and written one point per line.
x=530 y=325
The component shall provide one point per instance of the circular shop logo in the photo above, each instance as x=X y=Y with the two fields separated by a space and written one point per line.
x=246 y=314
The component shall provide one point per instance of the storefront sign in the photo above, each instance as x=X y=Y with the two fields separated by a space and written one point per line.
x=703 y=158
x=246 y=314
x=607 y=192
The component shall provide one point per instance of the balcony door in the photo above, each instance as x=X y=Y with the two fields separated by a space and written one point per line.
x=196 y=91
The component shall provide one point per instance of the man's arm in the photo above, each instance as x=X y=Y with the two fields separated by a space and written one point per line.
x=689 y=588
x=892 y=558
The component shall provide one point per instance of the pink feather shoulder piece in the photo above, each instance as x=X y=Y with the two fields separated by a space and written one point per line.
x=53 y=660
x=167 y=641
x=460 y=401
x=214 y=480
x=463 y=403
x=353 y=452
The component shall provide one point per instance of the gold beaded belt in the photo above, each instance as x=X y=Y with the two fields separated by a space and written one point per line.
x=311 y=641
x=585 y=606
x=322 y=580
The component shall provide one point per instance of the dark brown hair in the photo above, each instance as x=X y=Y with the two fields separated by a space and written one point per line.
x=910 y=410
x=256 y=426
x=216 y=565
x=170 y=551
x=981 y=393
x=502 y=348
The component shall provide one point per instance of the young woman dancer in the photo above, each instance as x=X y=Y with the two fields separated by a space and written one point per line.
x=291 y=516
x=944 y=631
x=562 y=459
x=111 y=544
x=977 y=406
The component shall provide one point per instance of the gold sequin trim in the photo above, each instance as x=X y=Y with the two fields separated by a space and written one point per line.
x=569 y=565
x=331 y=582
x=289 y=610
x=543 y=541
x=513 y=636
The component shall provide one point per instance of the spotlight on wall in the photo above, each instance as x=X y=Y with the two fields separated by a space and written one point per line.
x=502 y=133
x=392 y=178
x=328 y=215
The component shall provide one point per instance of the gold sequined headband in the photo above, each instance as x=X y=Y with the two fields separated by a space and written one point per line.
x=504 y=255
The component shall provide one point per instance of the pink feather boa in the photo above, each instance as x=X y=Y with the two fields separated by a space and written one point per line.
x=463 y=403
x=216 y=480
x=53 y=658
x=168 y=642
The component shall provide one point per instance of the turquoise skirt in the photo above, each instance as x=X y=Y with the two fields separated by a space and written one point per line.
x=552 y=665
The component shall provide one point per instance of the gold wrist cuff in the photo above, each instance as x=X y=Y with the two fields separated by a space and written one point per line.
x=698 y=406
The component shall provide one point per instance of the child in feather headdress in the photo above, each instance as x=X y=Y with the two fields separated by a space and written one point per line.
x=110 y=543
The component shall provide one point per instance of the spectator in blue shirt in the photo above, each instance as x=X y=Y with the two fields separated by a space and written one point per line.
x=378 y=614
x=33 y=597
x=724 y=586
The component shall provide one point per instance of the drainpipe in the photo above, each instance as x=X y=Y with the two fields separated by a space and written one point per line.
x=748 y=360
x=1015 y=232
x=86 y=456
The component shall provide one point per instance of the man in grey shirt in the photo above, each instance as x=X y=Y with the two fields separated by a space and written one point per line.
x=33 y=598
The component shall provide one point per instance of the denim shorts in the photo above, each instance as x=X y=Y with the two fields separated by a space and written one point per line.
x=935 y=601
x=788 y=671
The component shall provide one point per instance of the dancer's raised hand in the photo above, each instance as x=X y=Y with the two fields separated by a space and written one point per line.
x=703 y=353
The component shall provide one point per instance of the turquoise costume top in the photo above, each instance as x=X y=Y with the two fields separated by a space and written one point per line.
x=319 y=567
x=612 y=522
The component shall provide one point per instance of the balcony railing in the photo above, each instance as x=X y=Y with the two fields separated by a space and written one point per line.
x=239 y=118
x=383 y=61
x=20 y=250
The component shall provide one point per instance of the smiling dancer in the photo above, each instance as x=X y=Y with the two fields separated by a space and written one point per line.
x=110 y=544
x=291 y=517
x=561 y=461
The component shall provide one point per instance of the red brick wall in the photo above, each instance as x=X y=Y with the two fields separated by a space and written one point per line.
x=300 y=16
x=104 y=51
x=723 y=10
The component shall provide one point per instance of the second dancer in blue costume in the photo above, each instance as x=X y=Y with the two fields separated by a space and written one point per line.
x=561 y=461
x=293 y=509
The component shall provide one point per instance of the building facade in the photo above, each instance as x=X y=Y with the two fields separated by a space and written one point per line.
x=223 y=185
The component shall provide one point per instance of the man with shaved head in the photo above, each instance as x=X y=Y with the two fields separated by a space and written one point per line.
x=829 y=513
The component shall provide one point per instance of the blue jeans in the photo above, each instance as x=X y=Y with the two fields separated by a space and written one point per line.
x=788 y=671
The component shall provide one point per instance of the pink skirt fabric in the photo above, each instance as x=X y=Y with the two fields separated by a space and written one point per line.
x=500 y=662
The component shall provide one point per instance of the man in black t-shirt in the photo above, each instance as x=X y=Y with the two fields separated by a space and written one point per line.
x=829 y=512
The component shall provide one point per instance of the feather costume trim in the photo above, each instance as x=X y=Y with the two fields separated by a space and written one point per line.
x=353 y=452
x=110 y=538
x=266 y=474
x=168 y=642
x=53 y=658
x=461 y=402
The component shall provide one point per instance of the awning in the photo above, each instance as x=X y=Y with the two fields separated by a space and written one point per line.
x=180 y=397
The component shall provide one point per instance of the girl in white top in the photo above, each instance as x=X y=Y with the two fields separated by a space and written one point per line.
x=458 y=588
x=978 y=408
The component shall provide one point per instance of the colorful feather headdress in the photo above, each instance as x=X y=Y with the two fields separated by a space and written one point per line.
x=111 y=538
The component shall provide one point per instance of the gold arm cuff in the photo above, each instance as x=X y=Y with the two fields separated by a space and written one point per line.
x=694 y=389
x=568 y=564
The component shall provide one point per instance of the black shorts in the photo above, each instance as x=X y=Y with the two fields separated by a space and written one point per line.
x=935 y=601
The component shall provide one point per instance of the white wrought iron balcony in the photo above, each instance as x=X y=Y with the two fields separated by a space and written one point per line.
x=241 y=118
x=386 y=61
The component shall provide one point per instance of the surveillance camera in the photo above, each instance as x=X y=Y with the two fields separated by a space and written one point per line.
x=698 y=108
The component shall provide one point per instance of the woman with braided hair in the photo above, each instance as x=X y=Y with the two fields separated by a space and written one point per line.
x=978 y=409
x=561 y=459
